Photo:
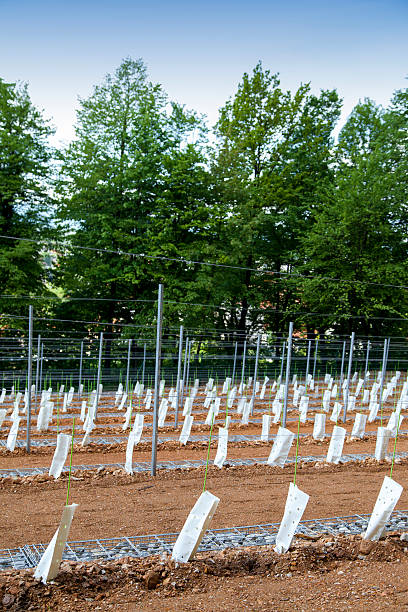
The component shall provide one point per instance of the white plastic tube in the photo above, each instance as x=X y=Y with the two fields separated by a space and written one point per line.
x=394 y=423
x=326 y=400
x=129 y=452
x=387 y=499
x=210 y=415
x=281 y=447
x=245 y=413
x=12 y=436
x=319 y=426
x=304 y=402
x=60 y=455
x=3 y=413
x=373 y=411
x=195 y=527
x=336 y=412
x=221 y=455
x=266 y=425
x=185 y=432
x=49 y=564
x=123 y=402
x=359 y=425
x=296 y=503
x=138 y=427
x=381 y=446
x=336 y=444
x=164 y=404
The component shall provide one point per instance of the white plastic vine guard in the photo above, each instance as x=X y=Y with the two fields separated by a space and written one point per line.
x=394 y=423
x=281 y=447
x=266 y=425
x=83 y=410
x=209 y=384
x=359 y=386
x=326 y=400
x=296 y=503
x=366 y=397
x=276 y=407
x=277 y=411
x=164 y=404
x=49 y=564
x=64 y=403
x=387 y=499
x=245 y=413
x=185 y=432
x=122 y=402
x=373 y=411
x=210 y=415
x=17 y=400
x=336 y=444
x=3 y=413
x=381 y=446
x=138 y=427
x=12 y=436
x=231 y=397
x=241 y=405
x=195 y=527
x=134 y=437
x=334 y=391
x=319 y=426
x=2 y=396
x=336 y=412
x=188 y=404
x=221 y=455
x=304 y=402
x=128 y=416
x=60 y=455
x=43 y=417
x=359 y=425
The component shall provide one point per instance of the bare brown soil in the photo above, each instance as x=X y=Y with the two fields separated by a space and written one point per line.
x=312 y=576
x=328 y=574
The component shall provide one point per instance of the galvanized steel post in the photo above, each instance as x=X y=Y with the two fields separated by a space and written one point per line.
x=288 y=358
x=180 y=357
x=157 y=379
x=29 y=376
x=348 y=377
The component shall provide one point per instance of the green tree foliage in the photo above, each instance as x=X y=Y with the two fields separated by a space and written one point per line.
x=359 y=234
x=302 y=228
x=273 y=166
x=133 y=181
x=24 y=194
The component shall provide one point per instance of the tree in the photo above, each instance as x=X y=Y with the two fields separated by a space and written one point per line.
x=359 y=236
x=25 y=168
x=132 y=181
x=272 y=164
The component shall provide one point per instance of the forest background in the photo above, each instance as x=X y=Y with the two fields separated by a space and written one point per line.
x=303 y=226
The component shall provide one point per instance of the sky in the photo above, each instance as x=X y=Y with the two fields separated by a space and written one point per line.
x=199 y=50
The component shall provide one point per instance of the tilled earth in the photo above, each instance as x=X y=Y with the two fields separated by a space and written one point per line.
x=327 y=574
x=323 y=575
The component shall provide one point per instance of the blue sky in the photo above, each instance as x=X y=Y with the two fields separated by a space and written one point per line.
x=199 y=50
